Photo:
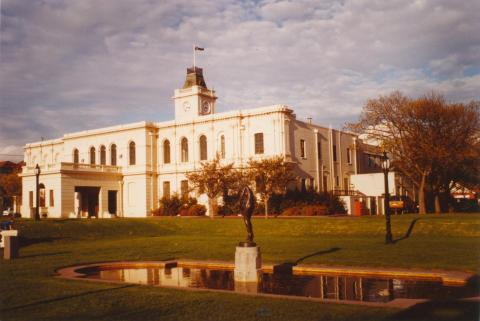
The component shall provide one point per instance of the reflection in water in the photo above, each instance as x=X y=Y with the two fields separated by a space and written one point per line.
x=336 y=287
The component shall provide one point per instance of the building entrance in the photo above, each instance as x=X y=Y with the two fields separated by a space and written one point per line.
x=88 y=200
x=112 y=202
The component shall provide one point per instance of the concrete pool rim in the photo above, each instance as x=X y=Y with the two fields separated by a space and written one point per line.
x=448 y=278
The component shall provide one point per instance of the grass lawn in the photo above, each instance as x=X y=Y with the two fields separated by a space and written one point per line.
x=28 y=290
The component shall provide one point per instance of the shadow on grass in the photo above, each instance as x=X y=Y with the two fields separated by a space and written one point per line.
x=409 y=231
x=26 y=241
x=440 y=311
x=44 y=254
x=65 y=298
x=288 y=266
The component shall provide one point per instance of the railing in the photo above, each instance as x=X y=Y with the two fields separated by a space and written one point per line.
x=346 y=192
x=63 y=166
x=91 y=167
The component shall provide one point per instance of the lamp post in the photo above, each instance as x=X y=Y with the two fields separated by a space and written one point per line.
x=388 y=228
x=37 y=174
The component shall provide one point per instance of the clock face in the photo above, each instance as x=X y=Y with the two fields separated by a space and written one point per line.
x=205 y=107
x=186 y=106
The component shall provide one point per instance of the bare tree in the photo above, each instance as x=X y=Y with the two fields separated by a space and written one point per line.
x=271 y=175
x=213 y=179
x=428 y=138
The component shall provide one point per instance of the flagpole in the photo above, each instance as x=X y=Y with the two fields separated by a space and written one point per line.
x=193 y=57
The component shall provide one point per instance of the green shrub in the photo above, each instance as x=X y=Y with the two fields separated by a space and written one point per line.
x=314 y=210
x=196 y=210
x=278 y=204
x=174 y=205
x=336 y=206
x=305 y=210
x=230 y=205
x=292 y=211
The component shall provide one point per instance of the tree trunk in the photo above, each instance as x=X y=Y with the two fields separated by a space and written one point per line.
x=266 y=206
x=212 y=208
x=421 y=195
x=438 y=207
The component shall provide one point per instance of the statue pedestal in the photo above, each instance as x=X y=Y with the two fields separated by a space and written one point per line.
x=248 y=264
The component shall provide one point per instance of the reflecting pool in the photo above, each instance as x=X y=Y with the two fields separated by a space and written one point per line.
x=331 y=286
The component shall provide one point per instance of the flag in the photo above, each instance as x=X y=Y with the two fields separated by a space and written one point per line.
x=199 y=49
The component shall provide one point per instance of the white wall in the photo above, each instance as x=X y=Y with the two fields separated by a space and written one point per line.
x=373 y=184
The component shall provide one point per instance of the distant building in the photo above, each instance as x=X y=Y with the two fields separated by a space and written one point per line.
x=124 y=170
x=7 y=201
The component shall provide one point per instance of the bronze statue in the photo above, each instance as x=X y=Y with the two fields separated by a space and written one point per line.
x=247 y=205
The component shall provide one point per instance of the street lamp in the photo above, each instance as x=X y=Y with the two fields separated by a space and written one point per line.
x=37 y=174
x=388 y=228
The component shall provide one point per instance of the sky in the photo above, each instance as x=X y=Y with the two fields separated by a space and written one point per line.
x=67 y=66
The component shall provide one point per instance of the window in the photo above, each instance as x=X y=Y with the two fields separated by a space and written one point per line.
x=41 y=192
x=325 y=183
x=184 y=188
x=346 y=184
x=52 y=202
x=370 y=160
x=75 y=156
x=92 y=155
x=184 y=150
x=319 y=150
x=166 y=189
x=302 y=148
x=113 y=155
x=203 y=147
x=131 y=153
x=259 y=143
x=337 y=181
x=103 y=155
x=334 y=152
x=303 y=185
x=222 y=146
x=349 y=156
x=166 y=153
x=30 y=199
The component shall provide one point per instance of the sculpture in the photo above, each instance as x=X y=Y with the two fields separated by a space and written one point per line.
x=247 y=205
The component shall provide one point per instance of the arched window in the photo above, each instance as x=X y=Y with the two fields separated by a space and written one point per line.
x=92 y=155
x=203 y=147
x=103 y=155
x=166 y=152
x=222 y=146
x=131 y=153
x=75 y=156
x=41 y=195
x=113 y=155
x=184 y=150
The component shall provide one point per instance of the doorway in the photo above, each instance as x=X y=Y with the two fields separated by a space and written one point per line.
x=373 y=206
x=88 y=200
x=112 y=202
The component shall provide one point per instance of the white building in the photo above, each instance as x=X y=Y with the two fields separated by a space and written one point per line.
x=124 y=170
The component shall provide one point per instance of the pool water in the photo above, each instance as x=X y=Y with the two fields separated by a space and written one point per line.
x=336 y=287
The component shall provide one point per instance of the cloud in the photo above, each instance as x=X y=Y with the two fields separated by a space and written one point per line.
x=75 y=65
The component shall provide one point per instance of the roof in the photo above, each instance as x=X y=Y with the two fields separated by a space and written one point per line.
x=194 y=78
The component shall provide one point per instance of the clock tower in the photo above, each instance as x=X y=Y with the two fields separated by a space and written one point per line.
x=194 y=100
